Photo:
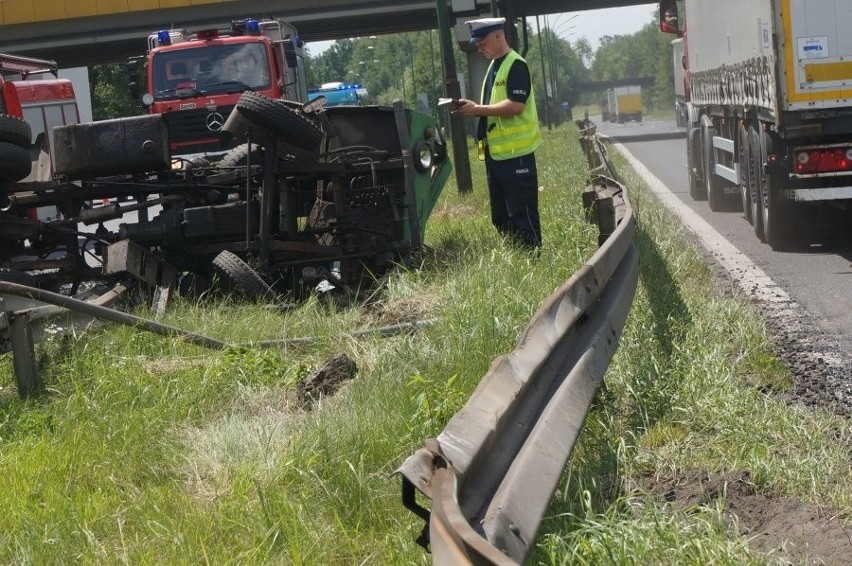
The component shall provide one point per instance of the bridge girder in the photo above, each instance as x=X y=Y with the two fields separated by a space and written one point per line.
x=114 y=37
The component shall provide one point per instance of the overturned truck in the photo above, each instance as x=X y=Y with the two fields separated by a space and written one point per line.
x=311 y=195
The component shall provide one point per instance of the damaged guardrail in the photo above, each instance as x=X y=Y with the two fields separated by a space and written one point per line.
x=492 y=471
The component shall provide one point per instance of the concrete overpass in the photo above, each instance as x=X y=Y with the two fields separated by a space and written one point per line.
x=86 y=32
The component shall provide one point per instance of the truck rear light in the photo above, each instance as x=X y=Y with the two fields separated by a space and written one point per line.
x=67 y=90
x=13 y=102
x=824 y=160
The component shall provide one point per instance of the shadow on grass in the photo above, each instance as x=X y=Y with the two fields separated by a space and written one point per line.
x=596 y=484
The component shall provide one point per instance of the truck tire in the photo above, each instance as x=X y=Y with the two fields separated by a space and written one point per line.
x=238 y=156
x=292 y=126
x=777 y=219
x=15 y=131
x=755 y=180
x=14 y=162
x=238 y=276
x=713 y=185
x=744 y=158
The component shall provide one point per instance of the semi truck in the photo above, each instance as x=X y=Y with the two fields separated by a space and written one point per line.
x=194 y=78
x=769 y=117
x=625 y=104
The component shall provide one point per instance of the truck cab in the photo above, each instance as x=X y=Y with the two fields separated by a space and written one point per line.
x=194 y=79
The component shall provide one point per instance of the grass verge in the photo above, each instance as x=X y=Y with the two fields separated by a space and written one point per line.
x=150 y=450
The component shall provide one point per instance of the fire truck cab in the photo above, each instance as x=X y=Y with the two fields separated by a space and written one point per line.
x=194 y=79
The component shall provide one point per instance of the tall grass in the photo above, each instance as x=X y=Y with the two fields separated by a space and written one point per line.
x=151 y=450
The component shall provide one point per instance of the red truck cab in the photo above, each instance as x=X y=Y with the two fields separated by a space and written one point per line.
x=195 y=79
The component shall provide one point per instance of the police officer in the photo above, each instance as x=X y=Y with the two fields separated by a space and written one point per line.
x=509 y=130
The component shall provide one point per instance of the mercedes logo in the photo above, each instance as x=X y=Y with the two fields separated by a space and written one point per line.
x=214 y=121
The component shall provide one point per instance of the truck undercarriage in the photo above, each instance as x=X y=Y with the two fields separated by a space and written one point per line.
x=335 y=195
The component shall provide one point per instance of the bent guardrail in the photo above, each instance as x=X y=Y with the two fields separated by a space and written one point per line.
x=492 y=471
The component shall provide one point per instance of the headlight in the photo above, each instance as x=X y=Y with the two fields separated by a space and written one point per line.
x=423 y=156
x=147 y=99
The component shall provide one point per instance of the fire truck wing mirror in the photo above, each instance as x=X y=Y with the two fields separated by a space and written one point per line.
x=133 y=77
x=290 y=54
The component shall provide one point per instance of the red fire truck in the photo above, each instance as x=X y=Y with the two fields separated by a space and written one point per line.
x=29 y=110
x=194 y=79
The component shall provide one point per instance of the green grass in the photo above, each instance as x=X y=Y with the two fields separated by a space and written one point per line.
x=150 y=450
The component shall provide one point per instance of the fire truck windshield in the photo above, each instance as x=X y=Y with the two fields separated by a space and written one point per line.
x=210 y=69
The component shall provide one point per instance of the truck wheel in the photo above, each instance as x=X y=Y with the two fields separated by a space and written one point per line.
x=744 y=158
x=238 y=276
x=756 y=175
x=292 y=126
x=713 y=185
x=15 y=131
x=14 y=162
x=238 y=156
x=777 y=219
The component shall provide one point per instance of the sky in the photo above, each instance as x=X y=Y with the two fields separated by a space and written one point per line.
x=591 y=24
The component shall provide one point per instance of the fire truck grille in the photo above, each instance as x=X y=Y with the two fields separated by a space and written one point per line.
x=187 y=127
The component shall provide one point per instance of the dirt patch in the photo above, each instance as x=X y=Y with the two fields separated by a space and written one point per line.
x=327 y=379
x=785 y=528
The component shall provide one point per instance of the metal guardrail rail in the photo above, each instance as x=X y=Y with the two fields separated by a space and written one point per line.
x=492 y=471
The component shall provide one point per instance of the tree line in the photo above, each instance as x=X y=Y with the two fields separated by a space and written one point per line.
x=407 y=66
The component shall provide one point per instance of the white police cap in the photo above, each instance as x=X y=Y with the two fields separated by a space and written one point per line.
x=483 y=26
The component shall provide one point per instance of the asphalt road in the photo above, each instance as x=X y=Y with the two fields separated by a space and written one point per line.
x=818 y=278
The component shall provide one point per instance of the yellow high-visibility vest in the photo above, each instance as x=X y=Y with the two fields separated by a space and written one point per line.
x=517 y=135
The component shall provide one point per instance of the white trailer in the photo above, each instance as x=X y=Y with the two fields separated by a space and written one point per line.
x=769 y=108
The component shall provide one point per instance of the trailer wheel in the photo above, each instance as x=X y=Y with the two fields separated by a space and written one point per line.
x=777 y=219
x=238 y=276
x=15 y=131
x=744 y=158
x=14 y=162
x=292 y=126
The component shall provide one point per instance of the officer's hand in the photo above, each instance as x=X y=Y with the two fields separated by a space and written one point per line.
x=466 y=107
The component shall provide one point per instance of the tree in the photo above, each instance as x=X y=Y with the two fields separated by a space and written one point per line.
x=331 y=65
x=110 y=93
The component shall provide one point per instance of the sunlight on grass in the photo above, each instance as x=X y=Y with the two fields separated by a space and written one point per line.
x=151 y=450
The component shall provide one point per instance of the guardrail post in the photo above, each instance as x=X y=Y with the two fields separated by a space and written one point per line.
x=23 y=354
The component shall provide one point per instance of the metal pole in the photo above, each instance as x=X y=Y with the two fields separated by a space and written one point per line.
x=452 y=89
x=543 y=76
x=551 y=40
